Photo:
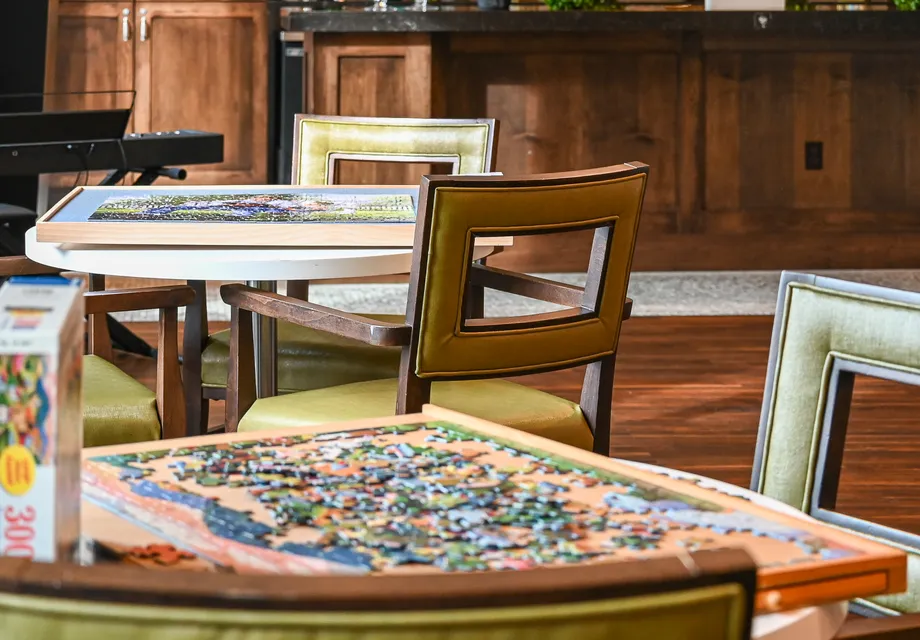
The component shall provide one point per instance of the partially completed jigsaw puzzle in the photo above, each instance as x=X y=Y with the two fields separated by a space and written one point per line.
x=432 y=496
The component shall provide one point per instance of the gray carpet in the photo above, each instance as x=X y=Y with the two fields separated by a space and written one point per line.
x=698 y=293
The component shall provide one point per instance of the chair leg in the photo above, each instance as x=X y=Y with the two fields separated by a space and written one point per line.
x=597 y=400
x=241 y=380
x=193 y=342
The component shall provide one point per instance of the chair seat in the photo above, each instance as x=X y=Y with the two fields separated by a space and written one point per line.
x=116 y=408
x=309 y=359
x=499 y=401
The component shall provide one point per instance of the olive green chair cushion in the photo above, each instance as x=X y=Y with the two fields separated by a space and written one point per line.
x=116 y=408
x=309 y=359
x=500 y=401
x=716 y=612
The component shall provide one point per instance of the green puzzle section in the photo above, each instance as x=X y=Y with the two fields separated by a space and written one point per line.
x=440 y=495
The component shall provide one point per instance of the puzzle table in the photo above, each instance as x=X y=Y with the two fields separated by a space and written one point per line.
x=442 y=492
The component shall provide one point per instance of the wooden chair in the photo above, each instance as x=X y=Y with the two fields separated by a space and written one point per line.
x=448 y=356
x=706 y=595
x=117 y=408
x=310 y=359
x=825 y=333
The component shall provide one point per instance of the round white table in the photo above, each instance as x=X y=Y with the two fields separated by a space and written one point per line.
x=260 y=267
x=808 y=623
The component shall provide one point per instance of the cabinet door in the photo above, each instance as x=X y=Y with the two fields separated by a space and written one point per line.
x=94 y=52
x=204 y=65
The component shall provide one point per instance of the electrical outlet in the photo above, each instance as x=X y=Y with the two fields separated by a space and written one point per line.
x=814 y=156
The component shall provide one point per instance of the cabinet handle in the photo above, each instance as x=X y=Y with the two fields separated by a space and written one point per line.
x=125 y=25
x=143 y=13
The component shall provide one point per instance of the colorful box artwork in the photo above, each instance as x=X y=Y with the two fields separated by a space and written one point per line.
x=328 y=206
x=427 y=496
x=41 y=424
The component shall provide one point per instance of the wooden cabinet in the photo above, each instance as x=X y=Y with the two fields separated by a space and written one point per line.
x=192 y=65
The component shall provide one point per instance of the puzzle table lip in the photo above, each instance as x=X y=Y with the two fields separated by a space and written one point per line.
x=878 y=569
x=82 y=230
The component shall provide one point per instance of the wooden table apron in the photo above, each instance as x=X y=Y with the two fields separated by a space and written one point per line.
x=258 y=266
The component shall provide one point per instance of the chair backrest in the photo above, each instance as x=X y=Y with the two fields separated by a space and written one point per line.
x=703 y=596
x=825 y=333
x=321 y=141
x=455 y=210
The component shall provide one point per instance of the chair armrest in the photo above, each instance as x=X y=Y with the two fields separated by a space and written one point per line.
x=306 y=314
x=525 y=285
x=168 y=297
x=906 y=627
x=533 y=287
x=22 y=266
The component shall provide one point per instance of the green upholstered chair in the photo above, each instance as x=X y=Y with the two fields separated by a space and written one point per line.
x=707 y=595
x=455 y=359
x=309 y=359
x=827 y=332
x=117 y=408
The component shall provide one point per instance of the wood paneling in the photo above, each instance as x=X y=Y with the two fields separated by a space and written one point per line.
x=201 y=66
x=92 y=58
x=723 y=122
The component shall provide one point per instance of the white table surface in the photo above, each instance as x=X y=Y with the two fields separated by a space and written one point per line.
x=808 y=623
x=223 y=263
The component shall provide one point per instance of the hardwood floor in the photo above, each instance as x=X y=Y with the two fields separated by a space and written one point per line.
x=688 y=393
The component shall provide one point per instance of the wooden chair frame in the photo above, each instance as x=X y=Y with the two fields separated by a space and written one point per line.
x=168 y=299
x=548 y=585
x=196 y=323
x=413 y=391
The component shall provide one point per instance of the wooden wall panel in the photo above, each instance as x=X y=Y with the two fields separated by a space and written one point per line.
x=821 y=104
x=565 y=112
x=723 y=122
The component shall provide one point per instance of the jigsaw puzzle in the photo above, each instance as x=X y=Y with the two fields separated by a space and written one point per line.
x=431 y=496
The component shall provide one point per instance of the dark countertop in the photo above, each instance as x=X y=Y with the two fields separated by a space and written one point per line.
x=787 y=23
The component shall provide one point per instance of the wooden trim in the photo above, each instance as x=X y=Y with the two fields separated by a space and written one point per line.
x=307 y=314
x=232 y=234
x=117 y=584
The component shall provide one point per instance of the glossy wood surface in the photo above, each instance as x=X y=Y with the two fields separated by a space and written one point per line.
x=688 y=393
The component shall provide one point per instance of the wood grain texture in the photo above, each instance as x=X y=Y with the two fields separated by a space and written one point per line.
x=722 y=120
x=222 y=86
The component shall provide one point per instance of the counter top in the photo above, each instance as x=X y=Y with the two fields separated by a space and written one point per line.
x=791 y=23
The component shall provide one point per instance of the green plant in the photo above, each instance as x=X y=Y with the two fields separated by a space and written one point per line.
x=907 y=5
x=586 y=5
